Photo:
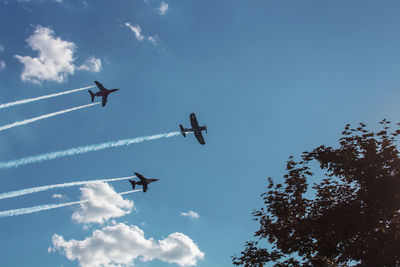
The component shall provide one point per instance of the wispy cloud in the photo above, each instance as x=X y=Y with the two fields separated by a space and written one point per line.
x=2 y=62
x=55 y=60
x=153 y=39
x=137 y=30
x=163 y=8
x=91 y=64
x=121 y=244
x=190 y=214
x=58 y=196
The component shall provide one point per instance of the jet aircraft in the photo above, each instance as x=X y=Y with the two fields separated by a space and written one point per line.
x=196 y=129
x=144 y=182
x=103 y=93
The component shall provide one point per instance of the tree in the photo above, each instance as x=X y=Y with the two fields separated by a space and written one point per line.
x=351 y=217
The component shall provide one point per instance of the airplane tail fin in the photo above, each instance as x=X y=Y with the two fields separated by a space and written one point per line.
x=133 y=183
x=182 y=130
x=91 y=94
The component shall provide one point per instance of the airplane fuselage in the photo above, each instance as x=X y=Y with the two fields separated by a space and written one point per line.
x=143 y=182
x=101 y=93
x=200 y=129
x=146 y=182
x=196 y=129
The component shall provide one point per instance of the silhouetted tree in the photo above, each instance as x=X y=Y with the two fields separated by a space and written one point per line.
x=351 y=217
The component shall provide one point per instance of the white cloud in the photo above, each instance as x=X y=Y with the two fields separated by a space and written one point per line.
x=163 y=8
x=191 y=214
x=136 y=30
x=55 y=60
x=60 y=197
x=2 y=62
x=153 y=39
x=107 y=204
x=121 y=244
x=91 y=64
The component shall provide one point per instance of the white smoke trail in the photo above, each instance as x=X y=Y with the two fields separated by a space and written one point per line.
x=15 y=212
x=82 y=150
x=25 y=101
x=54 y=186
x=27 y=121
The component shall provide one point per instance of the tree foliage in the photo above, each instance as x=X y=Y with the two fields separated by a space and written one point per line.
x=352 y=218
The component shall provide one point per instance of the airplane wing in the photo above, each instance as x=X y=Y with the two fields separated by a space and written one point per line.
x=101 y=87
x=141 y=177
x=103 y=100
x=144 y=187
x=193 y=121
x=199 y=137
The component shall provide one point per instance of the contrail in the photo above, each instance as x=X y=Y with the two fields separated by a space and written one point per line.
x=82 y=150
x=27 y=121
x=15 y=212
x=54 y=186
x=25 y=101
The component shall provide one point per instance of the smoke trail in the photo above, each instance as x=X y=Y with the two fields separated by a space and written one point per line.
x=82 y=150
x=25 y=101
x=54 y=186
x=27 y=121
x=15 y=212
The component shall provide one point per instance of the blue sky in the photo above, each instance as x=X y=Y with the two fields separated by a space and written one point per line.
x=269 y=78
